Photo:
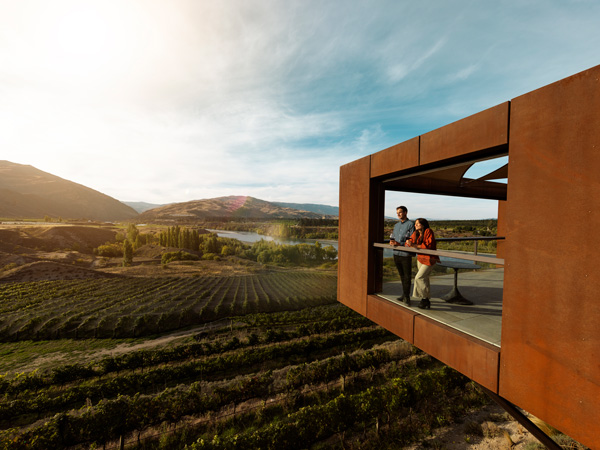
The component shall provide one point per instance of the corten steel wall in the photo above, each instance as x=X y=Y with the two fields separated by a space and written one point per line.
x=469 y=136
x=359 y=229
x=397 y=158
x=353 y=245
x=550 y=363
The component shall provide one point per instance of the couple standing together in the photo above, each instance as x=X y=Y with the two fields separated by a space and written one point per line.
x=415 y=234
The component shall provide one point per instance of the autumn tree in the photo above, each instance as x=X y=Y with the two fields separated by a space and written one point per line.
x=127 y=253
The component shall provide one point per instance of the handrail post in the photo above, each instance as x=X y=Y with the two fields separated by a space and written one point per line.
x=476 y=242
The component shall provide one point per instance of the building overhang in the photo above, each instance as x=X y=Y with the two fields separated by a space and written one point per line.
x=547 y=361
x=451 y=181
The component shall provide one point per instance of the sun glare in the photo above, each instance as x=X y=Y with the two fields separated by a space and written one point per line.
x=92 y=43
x=84 y=41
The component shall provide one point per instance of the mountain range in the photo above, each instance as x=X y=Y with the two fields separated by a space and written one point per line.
x=29 y=193
x=234 y=206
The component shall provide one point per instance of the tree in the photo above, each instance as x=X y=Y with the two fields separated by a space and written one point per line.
x=132 y=232
x=211 y=244
x=127 y=253
x=319 y=253
x=331 y=253
x=264 y=257
x=226 y=250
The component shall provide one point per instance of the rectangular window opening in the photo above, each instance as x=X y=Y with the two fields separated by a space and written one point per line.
x=465 y=294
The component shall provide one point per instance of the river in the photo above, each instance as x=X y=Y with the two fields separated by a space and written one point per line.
x=249 y=237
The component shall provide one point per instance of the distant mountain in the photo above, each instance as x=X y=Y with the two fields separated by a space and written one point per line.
x=225 y=207
x=29 y=193
x=143 y=206
x=312 y=207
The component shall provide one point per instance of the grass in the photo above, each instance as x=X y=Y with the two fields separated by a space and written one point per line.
x=29 y=355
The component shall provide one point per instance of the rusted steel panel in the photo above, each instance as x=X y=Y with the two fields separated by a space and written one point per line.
x=392 y=317
x=485 y=130
x=551 y=308
x=396 y=158
x=353 y=245
x=472 y=357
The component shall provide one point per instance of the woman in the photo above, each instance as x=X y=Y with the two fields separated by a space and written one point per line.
x=423 y=237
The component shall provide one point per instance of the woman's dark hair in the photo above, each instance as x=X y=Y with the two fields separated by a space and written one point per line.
x=425 y=224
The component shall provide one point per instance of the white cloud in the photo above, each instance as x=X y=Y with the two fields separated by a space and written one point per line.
x=183 y=99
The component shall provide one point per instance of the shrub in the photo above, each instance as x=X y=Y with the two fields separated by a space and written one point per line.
x=10 y=266
x=178 y=256
x=109 y=250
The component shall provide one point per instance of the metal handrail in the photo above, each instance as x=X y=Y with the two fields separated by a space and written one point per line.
x=468 y=257
x=472 y=238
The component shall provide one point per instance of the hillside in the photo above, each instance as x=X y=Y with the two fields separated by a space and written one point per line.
x=29 y=193
x=325 y=210
x=230 y=207
x=24 y=240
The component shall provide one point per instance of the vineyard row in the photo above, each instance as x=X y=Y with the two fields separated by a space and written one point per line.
x=130 y=307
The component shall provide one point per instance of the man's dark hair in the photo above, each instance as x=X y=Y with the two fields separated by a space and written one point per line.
x=403 y=208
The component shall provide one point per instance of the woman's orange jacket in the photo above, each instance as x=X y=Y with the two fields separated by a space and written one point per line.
x=429 y=243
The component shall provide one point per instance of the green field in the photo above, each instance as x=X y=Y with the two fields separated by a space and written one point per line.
x=133 y=307
x=254 y=383
x=250 y=351
x=262 y=359
x=255 y=361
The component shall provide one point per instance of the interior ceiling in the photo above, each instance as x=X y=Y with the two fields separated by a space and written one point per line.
x=451 y=181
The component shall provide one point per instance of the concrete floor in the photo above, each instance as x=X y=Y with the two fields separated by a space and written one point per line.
x=482 y=320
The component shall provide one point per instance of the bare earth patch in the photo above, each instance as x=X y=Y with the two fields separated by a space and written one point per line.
x=489 y=428
x=470 y=434
x=49 y=270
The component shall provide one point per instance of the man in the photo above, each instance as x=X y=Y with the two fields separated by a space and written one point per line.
x=402 y=231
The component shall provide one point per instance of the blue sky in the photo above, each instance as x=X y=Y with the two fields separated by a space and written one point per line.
x=170 y=101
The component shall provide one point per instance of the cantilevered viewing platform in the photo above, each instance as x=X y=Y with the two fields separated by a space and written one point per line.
x=531 y=337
